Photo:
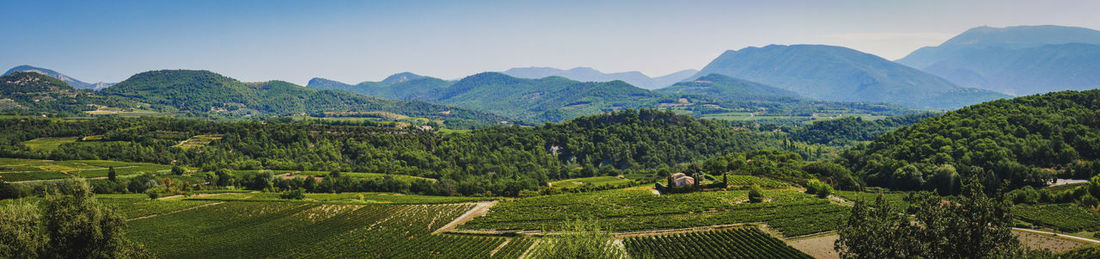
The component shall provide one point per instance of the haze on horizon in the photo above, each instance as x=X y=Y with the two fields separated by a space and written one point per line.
x=355 y=41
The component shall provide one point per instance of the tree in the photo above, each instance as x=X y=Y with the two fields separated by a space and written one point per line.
x=70 y=224
x=581 y=239
x=177 y=170
x=975 y=226
x=20 y=235
x=756 y=194
x=111 y=175
x=815 y=187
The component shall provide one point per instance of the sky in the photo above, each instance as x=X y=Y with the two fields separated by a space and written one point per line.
x=355 y=41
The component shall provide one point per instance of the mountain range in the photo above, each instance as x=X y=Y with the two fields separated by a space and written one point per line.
x=834 y=73
x=64 y=78
x=1017 y=60
x=586 y=74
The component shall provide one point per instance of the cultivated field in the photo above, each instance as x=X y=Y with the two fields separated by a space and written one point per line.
x=17 y=170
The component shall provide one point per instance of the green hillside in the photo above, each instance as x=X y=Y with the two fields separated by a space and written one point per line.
x=35 y=93
x=1022 y=141
x=724 y=88
x=207 y=94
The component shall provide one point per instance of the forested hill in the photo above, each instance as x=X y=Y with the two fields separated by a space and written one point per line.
x=847 y=130
x=204 y=93
x=500 y=160
x=400 y=86
x=1016 y=142
x=724 y=88
x=36 y=93
x=546 y=99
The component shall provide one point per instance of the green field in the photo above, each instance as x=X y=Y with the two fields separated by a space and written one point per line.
x=737 y=181
x=199 y=141
x=791 y=212
x=897 y=200
x=48 y=144
x=731 y=243
x=1064 y=217
x=17 y=169
x=309 y=230
x=597 y=181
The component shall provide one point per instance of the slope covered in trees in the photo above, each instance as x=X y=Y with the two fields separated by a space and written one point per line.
x=494 y=160
x=725 y=88
x=1013 y=143
x=844 y=131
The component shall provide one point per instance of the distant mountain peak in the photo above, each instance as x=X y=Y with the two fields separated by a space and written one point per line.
x=588 y=74
x=1018 y=60
x=64 y=78
x=401 y=77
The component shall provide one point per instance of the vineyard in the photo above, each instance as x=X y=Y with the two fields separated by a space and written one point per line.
x=295 y=229
x=347 y=198
x=791 y=212
x=1063 y=217
x=732 y=243
x=897 y=200
x=734 y=181
x=591 y=182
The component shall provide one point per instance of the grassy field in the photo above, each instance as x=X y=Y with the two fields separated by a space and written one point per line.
x=199 y=141
x=589 y=182
x=48 y=144
x=17 y=169
x=791 y=212
x=738 y=181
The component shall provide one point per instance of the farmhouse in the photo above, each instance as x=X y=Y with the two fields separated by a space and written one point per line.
x=681 y=179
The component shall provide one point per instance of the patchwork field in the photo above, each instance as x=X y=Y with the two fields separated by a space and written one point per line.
x=47 y=144
x=297 y=230
x=199 y=141
x=16 y=169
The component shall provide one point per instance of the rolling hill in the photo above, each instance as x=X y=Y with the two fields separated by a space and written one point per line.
x=585 y=74
x=841 y=74
x=39 y=93
x=64 y=78
x=206 y=93
x=720 y=87
x=1016 y=60
x=400 y=86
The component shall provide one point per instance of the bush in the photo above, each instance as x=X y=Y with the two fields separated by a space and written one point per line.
x=296 y=194
x=153 y=194
x=818 y=188
x=756 y=194
x=177 y=170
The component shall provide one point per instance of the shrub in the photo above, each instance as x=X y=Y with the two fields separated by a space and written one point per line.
x=818 y=188
x=296 y=194
x=756 y=194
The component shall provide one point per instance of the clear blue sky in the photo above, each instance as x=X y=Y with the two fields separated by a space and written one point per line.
x=354 y=41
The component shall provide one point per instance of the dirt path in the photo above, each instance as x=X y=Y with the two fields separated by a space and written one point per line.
x=174 y=212
x=1076 y=238
x=480 y=209
x=506 y=241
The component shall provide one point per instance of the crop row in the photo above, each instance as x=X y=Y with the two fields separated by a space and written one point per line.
x=747 y=180
x=791 y=212
x=285 y=229
x=1064 y=217
x=732 y=243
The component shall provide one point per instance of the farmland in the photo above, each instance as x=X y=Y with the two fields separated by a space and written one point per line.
x=1062 y=217
x=791 y=212
x=733 y=243
x=590 y=182
x=747 y=180
x=343 y=198
x=15 y=169
x=48 y=144
x=284 y=229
